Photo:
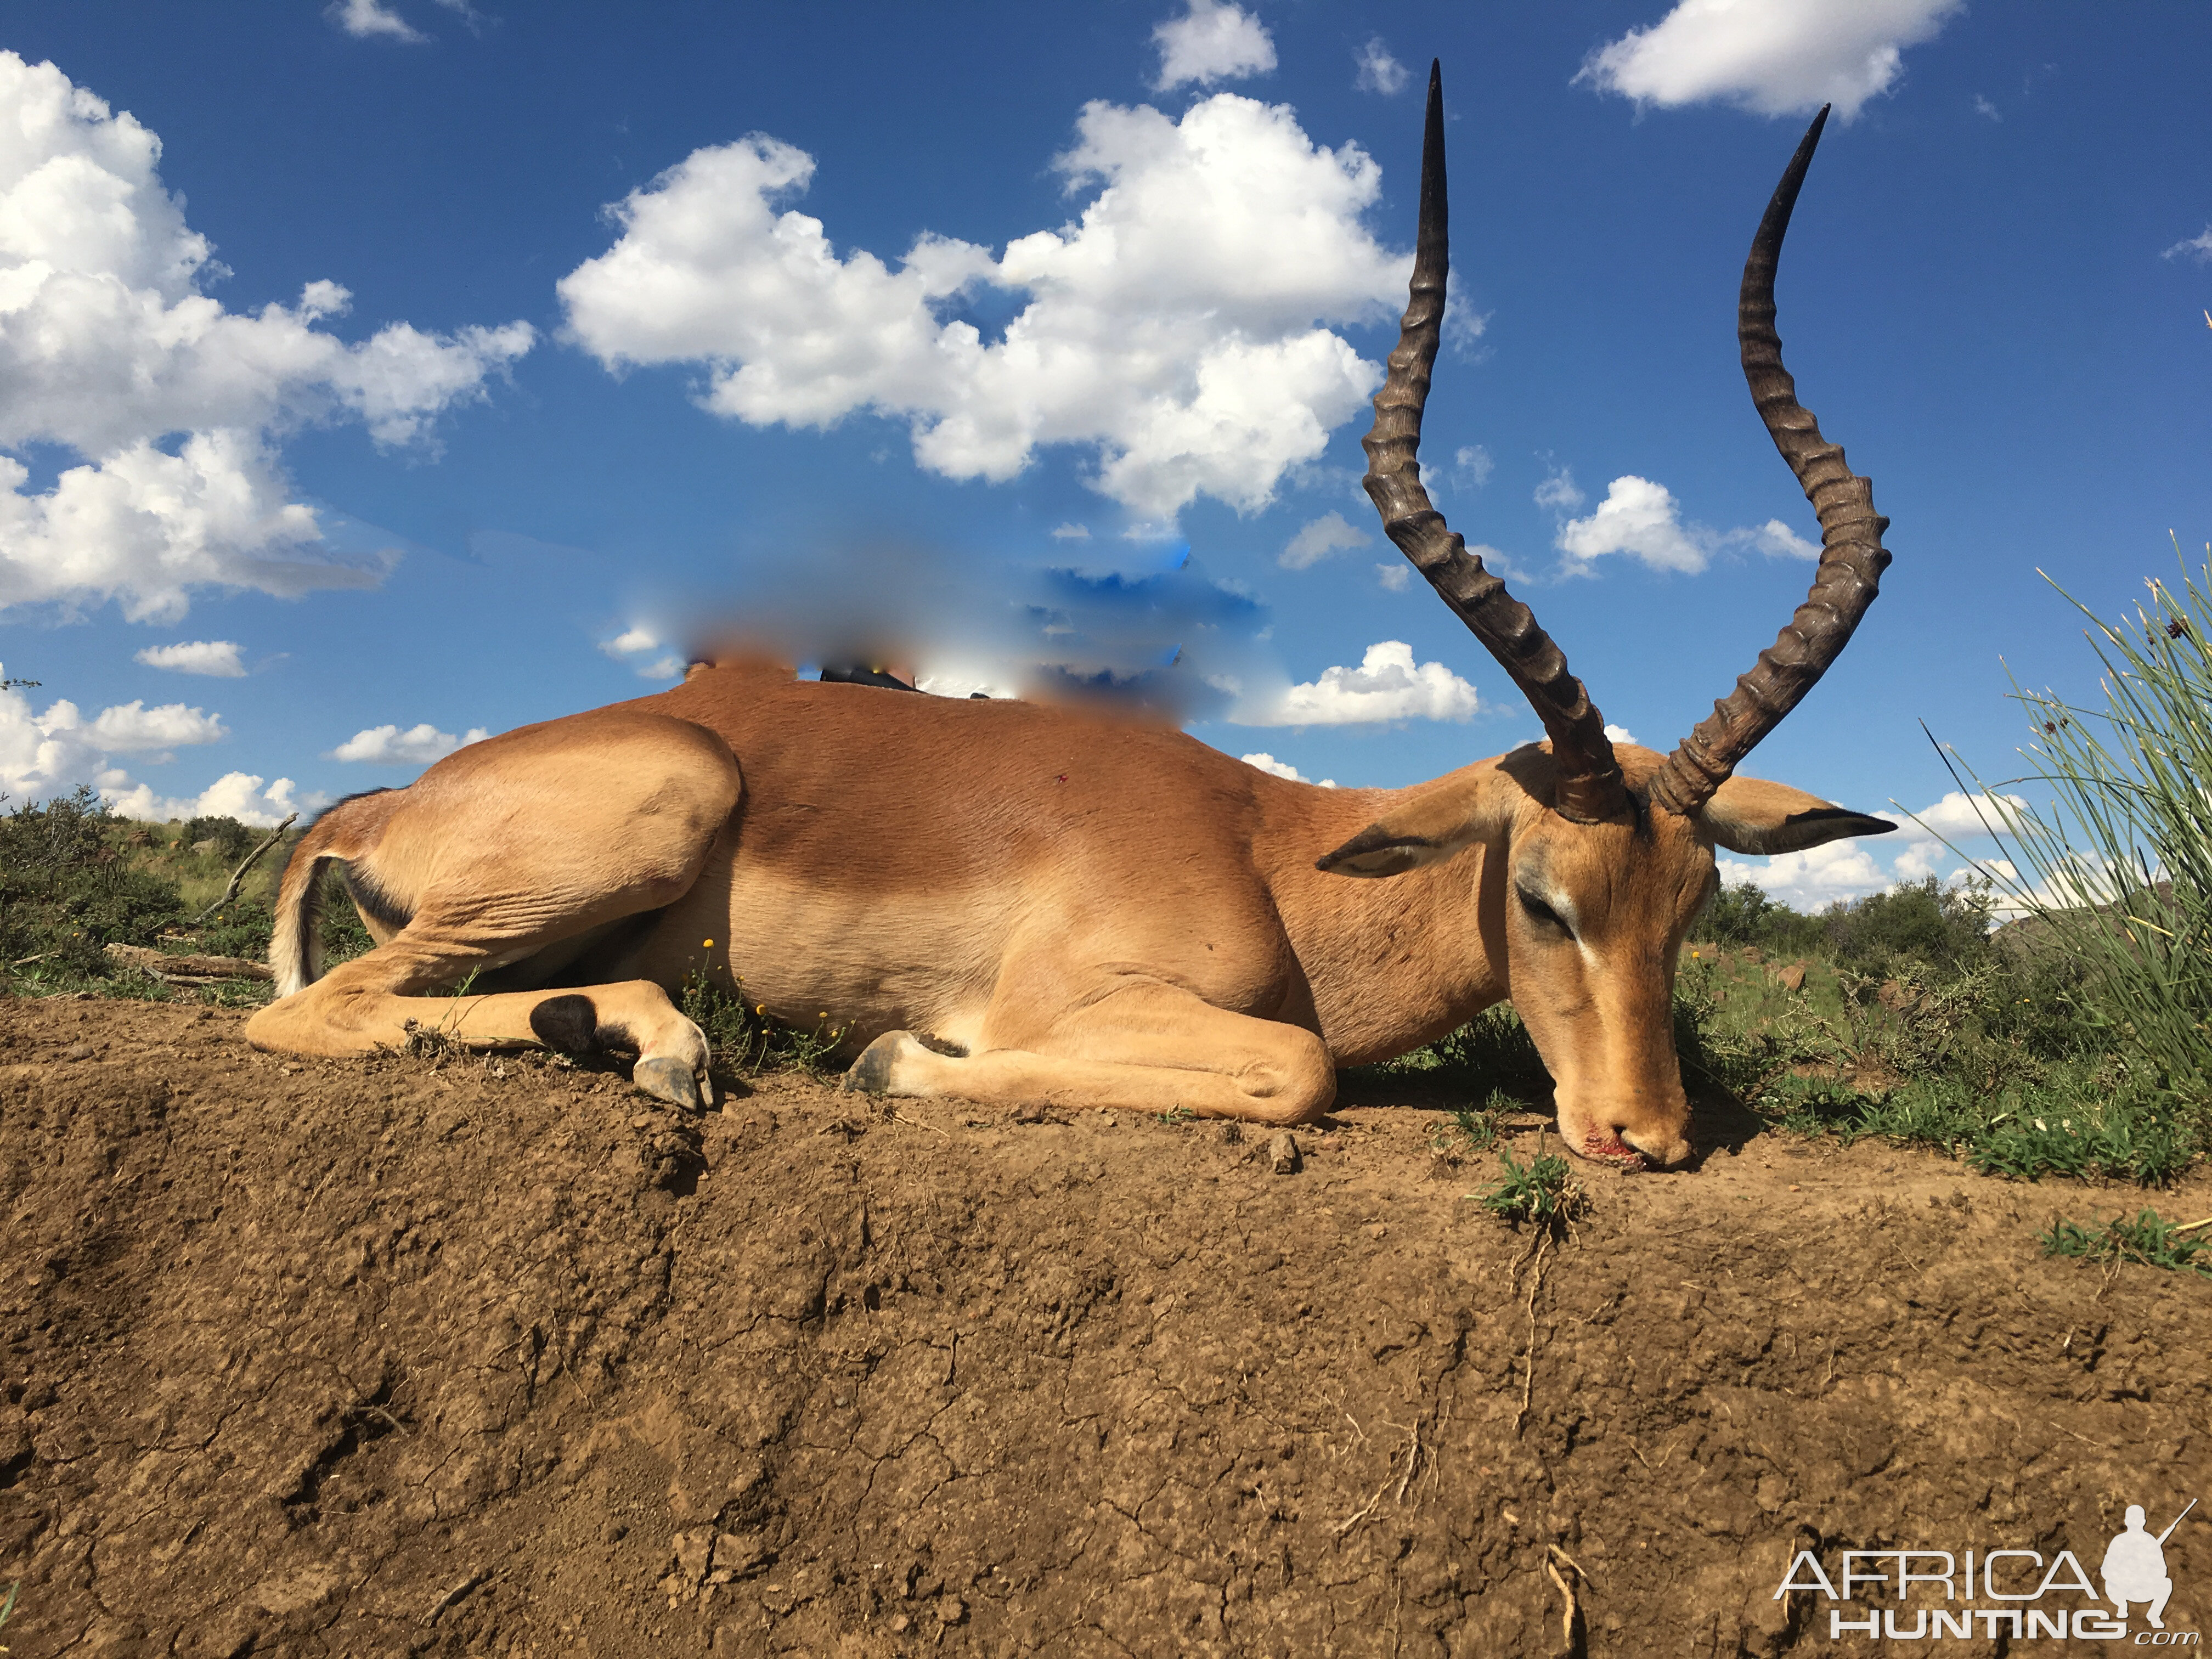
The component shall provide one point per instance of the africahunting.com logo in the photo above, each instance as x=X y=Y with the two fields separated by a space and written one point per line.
x=2027 y=1598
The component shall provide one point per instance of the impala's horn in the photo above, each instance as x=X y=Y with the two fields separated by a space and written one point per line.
x=1852 y=557
x=1589 y=787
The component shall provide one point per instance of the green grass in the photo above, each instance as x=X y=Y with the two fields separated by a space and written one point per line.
x=1542 y=1192
x=1493 y=1053
x=2149 y=1239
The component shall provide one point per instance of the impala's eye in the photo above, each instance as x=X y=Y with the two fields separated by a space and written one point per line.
x=1540 y=913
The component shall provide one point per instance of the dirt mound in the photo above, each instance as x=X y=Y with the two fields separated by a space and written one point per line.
x=379 y=1357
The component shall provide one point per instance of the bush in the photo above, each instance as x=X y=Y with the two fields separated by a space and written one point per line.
x=232 y=840
x=1744 y=915
x=1946 y=928
x=68 y=887
x=1928 y=925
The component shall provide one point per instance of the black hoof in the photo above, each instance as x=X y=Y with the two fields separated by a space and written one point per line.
x=671 y=1080
x=871 y=1075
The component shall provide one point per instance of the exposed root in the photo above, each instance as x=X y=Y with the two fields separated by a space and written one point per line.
x=1535 y=1283
x=1412 y=1449
x=1568 y=1614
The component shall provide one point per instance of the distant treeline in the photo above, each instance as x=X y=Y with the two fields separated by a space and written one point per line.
x=1944 y=928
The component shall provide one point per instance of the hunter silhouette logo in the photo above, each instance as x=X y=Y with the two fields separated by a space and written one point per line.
x=2135 y=1566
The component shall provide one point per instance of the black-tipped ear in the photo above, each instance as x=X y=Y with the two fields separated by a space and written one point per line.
x=1796 y=832
x=1374 y=851
x=1750 y=815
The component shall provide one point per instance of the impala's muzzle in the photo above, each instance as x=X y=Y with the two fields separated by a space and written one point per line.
x=1603 y=1140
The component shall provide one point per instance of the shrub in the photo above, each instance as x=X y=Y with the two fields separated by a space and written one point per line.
x=1945 y=928
x=68 y=887
x=232 y=840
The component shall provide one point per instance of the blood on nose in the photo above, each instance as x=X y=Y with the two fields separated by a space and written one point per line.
x=1611 y=1145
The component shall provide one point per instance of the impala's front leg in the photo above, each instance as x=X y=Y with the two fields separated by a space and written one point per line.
x=1144 y=1046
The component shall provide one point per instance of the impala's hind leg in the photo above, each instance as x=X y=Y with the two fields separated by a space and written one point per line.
x=522 y=861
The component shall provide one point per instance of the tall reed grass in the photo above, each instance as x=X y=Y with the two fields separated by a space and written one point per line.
x=2116 y=869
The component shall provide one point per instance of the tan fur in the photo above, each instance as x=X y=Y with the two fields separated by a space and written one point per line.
x=1101 y=914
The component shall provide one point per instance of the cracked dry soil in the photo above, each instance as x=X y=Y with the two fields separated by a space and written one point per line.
x=324 y=1358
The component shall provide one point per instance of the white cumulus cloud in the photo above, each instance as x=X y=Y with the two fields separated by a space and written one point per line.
x=418 y=745
x=171 y=403
x=367 y=20
x=1388 y=685
x=1558 y=492
x=1814 y=878
x=1394 y=577
x=645 y=651
x=1212 y=41
x=1268 y=763
x=1177 y=330
x=1378 y=70
x=1772 y=57
x=215 y=658
x=43 y=755
x=132 y=727
x=1637 y=518
x=1315 y=542
x=1777 y=540
x=1643 y=521
x=238 y=795
x=1619 y=734
x=1472 y=466
x=1958 y=816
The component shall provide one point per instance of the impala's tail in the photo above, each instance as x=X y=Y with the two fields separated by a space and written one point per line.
x=347 y=831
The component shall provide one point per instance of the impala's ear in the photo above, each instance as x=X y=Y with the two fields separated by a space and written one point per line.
x=1446 y=818
x=1749 y=815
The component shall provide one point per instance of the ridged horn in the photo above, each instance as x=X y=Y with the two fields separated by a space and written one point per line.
x=1590 y=789
x=1852 y=557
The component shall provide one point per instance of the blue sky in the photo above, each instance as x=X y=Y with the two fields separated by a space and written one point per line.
x=403 y=370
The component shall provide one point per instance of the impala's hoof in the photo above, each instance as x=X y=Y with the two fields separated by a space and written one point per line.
x=671 y=1080
x=871 y=1075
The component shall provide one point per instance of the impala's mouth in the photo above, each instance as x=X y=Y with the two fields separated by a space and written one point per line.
x=1601 y=1148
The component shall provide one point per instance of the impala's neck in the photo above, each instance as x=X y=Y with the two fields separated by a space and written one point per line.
x=1395 y=962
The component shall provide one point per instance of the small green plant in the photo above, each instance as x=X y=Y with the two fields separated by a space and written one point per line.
x=746 y=1038
x=1176 y=1118
x=1541 y=1192
x=2149 y=1239
x=9 y=1606
x=1477 y=1126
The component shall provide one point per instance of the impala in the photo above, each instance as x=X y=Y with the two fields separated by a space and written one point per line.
x=1010 y=902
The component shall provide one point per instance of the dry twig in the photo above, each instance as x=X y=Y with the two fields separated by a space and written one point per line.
x=238 y=874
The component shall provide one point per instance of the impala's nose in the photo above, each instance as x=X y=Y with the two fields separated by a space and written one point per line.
x=1662 y=1150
